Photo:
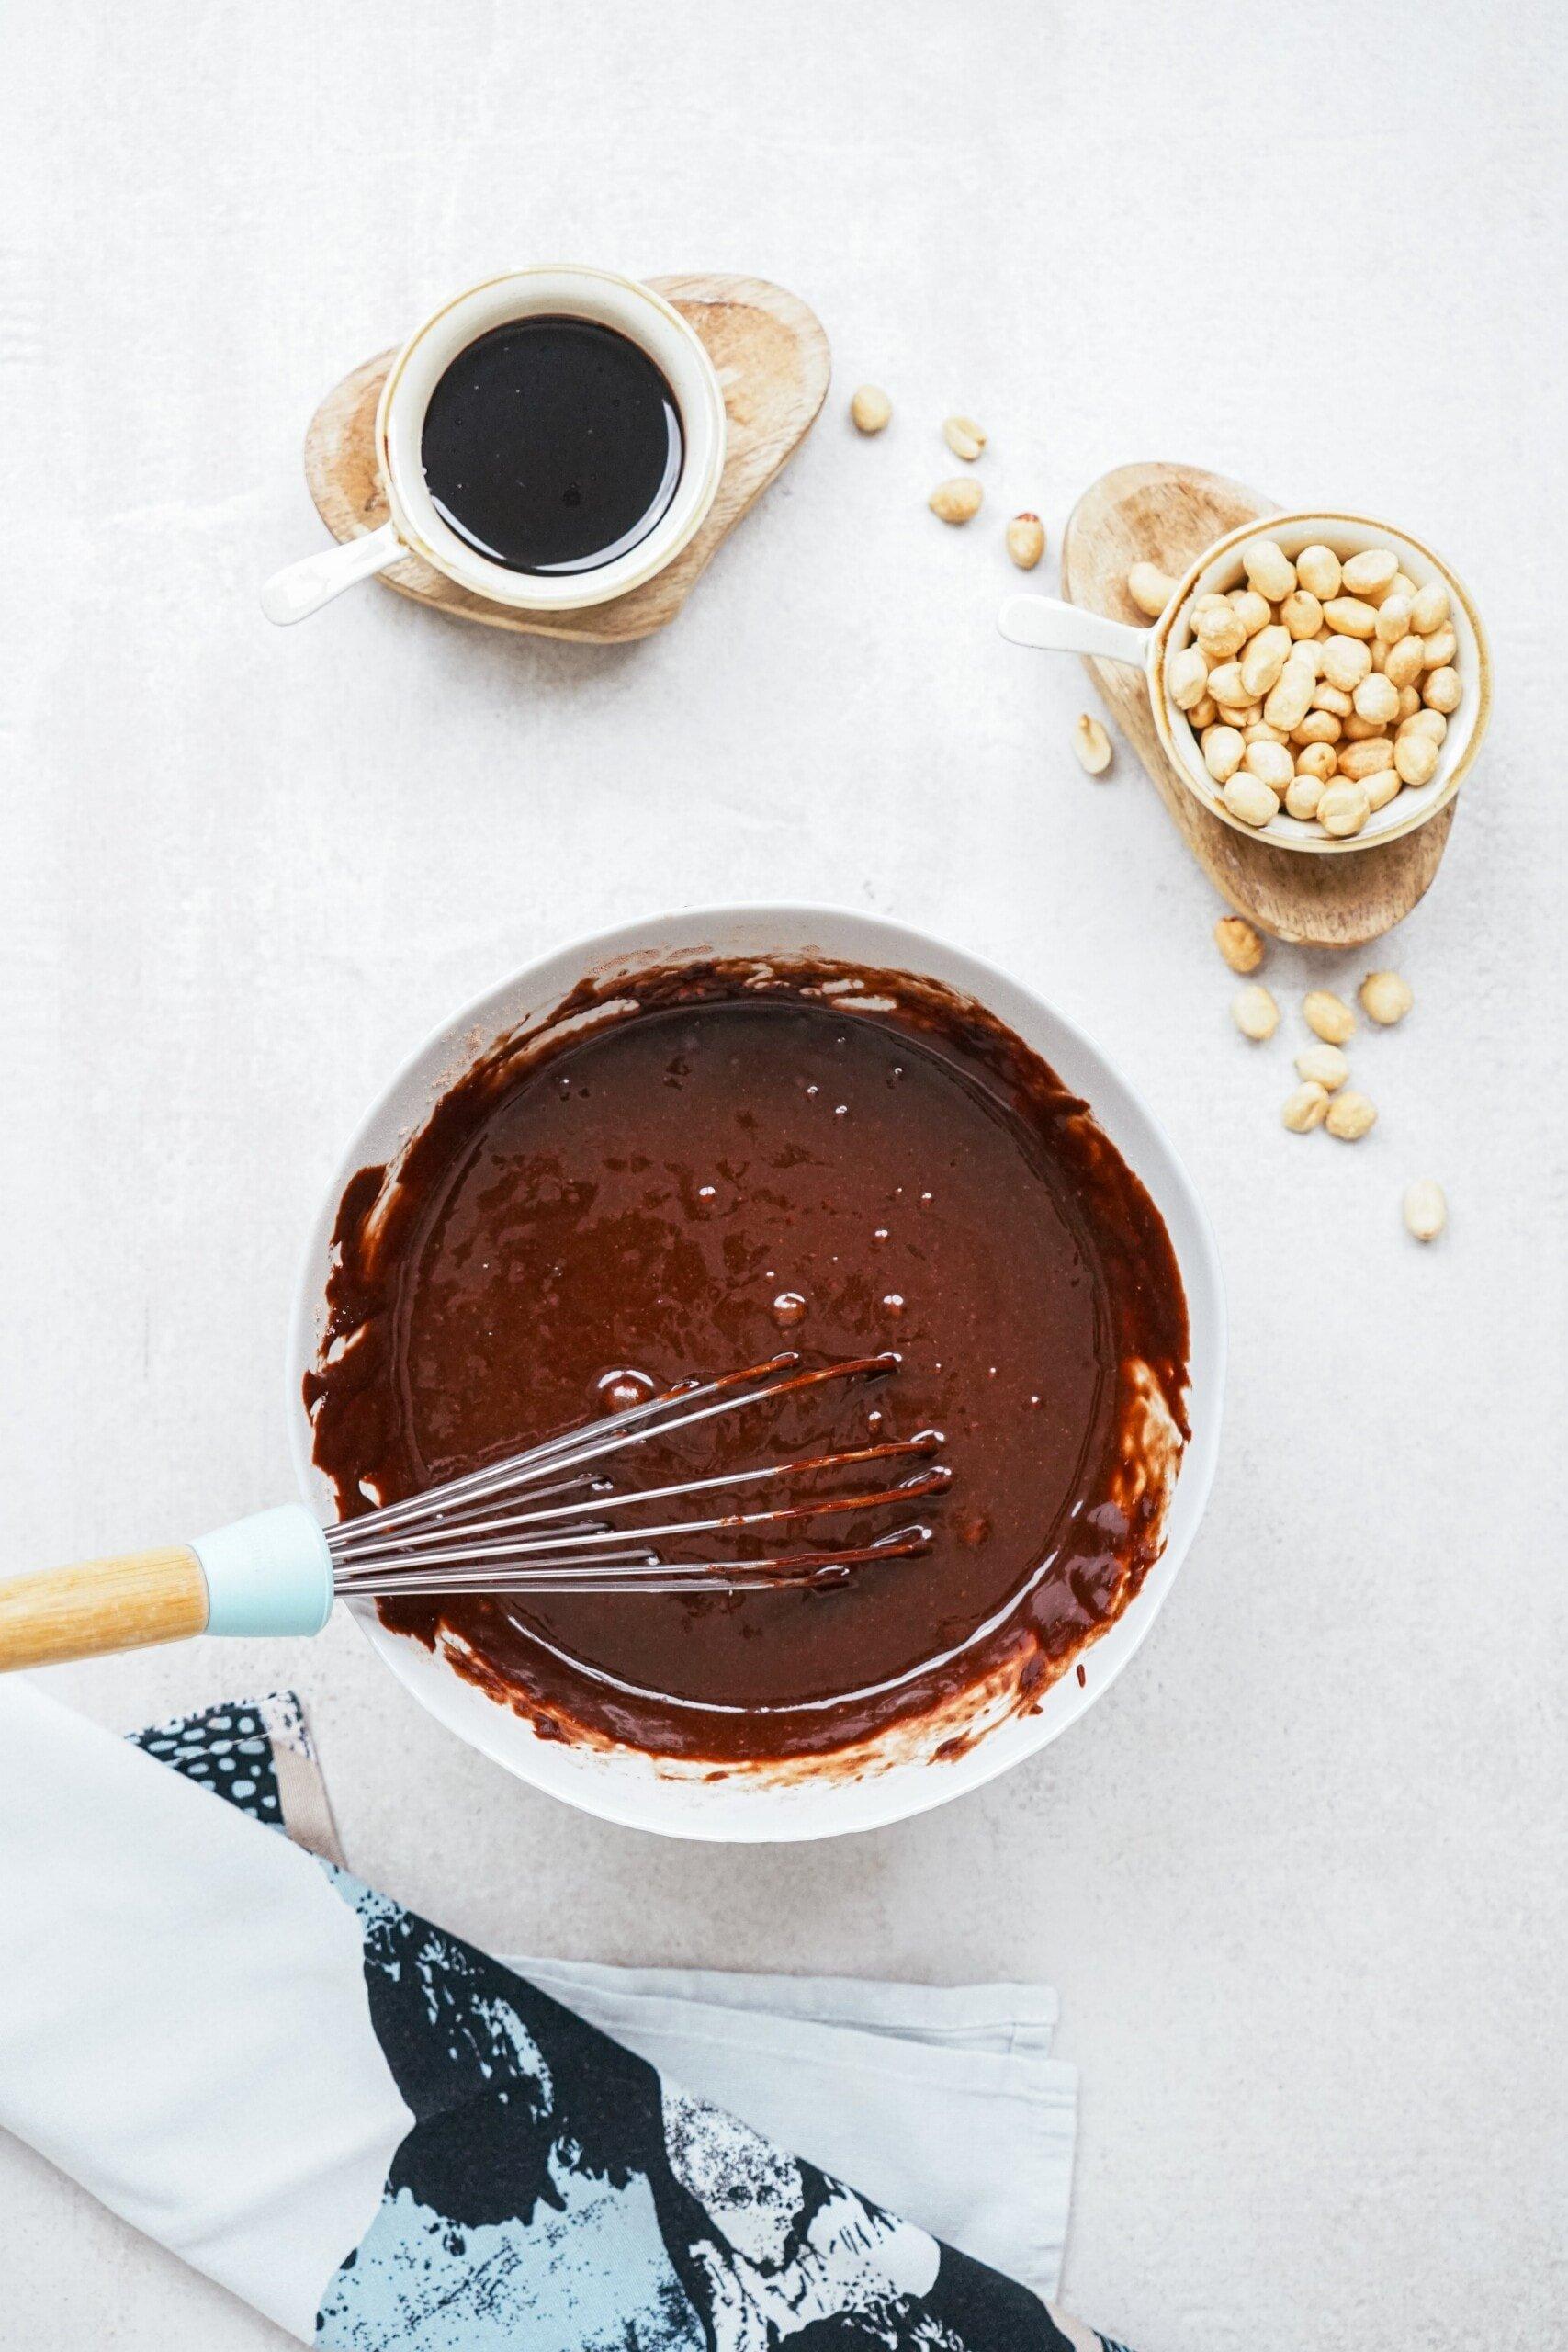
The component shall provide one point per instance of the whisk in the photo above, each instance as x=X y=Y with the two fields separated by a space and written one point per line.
x=543 y=1522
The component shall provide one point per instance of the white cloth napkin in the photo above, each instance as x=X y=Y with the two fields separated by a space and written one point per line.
x=941 y=2101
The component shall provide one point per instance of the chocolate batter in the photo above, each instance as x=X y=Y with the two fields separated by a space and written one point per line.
x=743 y=1163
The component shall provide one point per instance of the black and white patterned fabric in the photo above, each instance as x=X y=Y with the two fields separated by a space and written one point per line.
x=556 y=2192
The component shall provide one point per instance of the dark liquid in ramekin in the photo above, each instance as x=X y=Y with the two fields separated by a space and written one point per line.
x=552 y=445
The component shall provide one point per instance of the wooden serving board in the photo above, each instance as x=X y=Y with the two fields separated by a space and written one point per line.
x=772 y=361
x=1168 y=516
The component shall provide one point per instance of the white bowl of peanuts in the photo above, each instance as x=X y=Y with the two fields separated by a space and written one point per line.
x=1319 y=681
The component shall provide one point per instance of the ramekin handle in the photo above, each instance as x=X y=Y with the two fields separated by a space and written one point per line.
x=1059 y=627
x=303 y=588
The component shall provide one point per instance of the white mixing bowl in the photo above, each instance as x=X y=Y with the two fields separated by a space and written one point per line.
x=754 y=1804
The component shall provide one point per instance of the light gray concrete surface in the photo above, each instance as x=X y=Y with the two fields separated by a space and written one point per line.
x=1301 y=1877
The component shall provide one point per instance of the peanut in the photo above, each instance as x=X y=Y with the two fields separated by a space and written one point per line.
x=1349 y=617
x=1409 y=702
x=1319 y=571
x=1416 y=758
x=1386 y=998
x=1425 y=722
x=1254 y=610
x=1305 y=1109
x=1150 y=589
x=1302 y=614
x=870 y=409
x=1026 y=540
x=1317 y=759
x=1203 y=714
x=1264 y=658
x=1393 y=620
x=1382 y=786
x=1289 y=700
x=1091 y=744
x=1222 y=748
x=1373 y=570
x=1359 y=760
x=1218 y=626
x=1442 y=691
x=1329 y=698
x=1426 y=1210
x=1346 y=661
x=1303 y=795
x=1187 y=678
x=1249 y=799
x=965 y=438
x=1318 y=726
x=1329 y=1016
x=1438 y=650
x=1404 y=664
x=1344 y=808
x=1351 y=1116
x=1269 y=570
x=1270 y=763
x=1375 y=699
x=1324 y=1065
x=1228 y=687
x=1429 y=608
x=1255 y=1012
x=1239 y=943
x=957 y=501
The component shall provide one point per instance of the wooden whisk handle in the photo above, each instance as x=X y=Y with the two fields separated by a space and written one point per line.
x=271 y=1573
x=125 y=1603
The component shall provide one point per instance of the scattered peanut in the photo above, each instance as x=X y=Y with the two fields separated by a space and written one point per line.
x=1326 y=1066
x=1426 y=1210
x=1386 y=998
x=1091 y=744
x=1348 y=660
x=1255 y=1012
x=870 y=409
x=964 y=437
x=1306 y=1108
x=1351 y=1116
x=1026 y=545
x=957 y=501
x=1329 y=1016
x=1238 y=943
x=1150 y=589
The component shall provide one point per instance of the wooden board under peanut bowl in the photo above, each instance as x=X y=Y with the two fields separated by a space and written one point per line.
x=1168 y=516
x=772 y=361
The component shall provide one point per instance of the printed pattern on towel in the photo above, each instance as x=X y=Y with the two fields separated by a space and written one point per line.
x=556 y=2192
x=229 y=1749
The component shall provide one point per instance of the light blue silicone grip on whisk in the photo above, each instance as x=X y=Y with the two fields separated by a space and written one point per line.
x=269 y=1574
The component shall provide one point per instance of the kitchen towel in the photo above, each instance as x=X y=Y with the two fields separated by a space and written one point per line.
x=376 y=2134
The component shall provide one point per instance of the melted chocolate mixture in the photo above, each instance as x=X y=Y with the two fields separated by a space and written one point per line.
x=681 y=1191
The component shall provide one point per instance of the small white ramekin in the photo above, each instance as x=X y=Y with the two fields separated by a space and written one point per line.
x=1061 y=627
x=414 y=527
x=816 y=1798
